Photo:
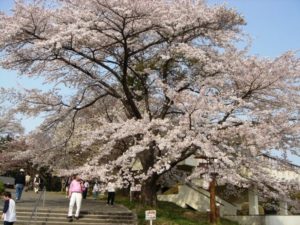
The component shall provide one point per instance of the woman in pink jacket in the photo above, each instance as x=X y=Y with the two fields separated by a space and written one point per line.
x=75 y=196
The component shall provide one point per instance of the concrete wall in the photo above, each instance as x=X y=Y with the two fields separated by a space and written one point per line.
x=198 y=199
x=292 y=173
x=282 y=220
x=265 y=220
x=248 y=220
x=190 y=161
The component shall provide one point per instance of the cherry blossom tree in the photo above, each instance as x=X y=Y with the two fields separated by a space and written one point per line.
x=10 y=132
x=154 y=82
x=9 y=125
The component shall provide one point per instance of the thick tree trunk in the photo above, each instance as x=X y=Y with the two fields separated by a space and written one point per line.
x=213 y=208
x=149 y=187
x=149 y=190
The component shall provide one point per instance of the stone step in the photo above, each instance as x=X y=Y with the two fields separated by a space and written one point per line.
x=83 y=212
x=88 y=222
x=37 y=222
x=90 y=216
x=82 y=217
x=55 y=209
x=58 y=217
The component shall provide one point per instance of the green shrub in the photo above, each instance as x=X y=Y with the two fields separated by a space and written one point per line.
x=1 y=187
x=169 y=214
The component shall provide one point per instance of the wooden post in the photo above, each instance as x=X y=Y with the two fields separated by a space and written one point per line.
x=213 y=208
x=212 y=186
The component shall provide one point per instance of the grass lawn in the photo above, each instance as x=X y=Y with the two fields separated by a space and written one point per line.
x=169 y=214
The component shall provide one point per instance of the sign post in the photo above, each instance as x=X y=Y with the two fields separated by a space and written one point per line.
x=135 y=189
x=150 y=215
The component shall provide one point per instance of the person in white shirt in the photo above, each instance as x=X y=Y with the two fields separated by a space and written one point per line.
x=36 y=183
x=111 y=190
x=9 y=209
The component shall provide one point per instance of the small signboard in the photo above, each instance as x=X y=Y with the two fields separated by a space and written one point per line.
x=150 y=214
x=137 y=187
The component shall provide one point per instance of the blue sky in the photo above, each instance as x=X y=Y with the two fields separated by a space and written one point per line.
x=274 y=26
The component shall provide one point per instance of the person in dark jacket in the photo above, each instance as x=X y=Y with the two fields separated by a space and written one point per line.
x=20 y=183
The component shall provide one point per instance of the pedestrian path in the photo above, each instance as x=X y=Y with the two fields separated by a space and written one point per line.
x=55 y=207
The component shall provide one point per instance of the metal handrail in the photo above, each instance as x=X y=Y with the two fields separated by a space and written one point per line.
x=34 y=211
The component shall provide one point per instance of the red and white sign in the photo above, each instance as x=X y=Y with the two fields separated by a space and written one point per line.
x=150 y=214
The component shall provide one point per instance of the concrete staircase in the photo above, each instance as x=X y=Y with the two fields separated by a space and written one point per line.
x=189 y=195
x=58 y=217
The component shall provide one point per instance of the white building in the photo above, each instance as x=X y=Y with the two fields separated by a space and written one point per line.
x=192 y=195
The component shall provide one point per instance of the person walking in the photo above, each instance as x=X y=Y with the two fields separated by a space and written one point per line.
x=9 y=209
x=20 y=183
x=96 y=189
x=75 y=195
x=36 y=183
x=86 y=189
x=27 y=182
x=111 y=190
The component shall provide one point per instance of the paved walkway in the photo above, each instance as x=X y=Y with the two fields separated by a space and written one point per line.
x=57 y=200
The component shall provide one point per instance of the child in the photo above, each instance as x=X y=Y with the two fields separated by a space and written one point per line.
x=9 y=209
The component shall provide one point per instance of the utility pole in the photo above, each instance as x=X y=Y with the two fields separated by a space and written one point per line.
x=208 y=162
x=213 y=206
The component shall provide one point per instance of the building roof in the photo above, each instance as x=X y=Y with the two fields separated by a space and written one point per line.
x=286 y=162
